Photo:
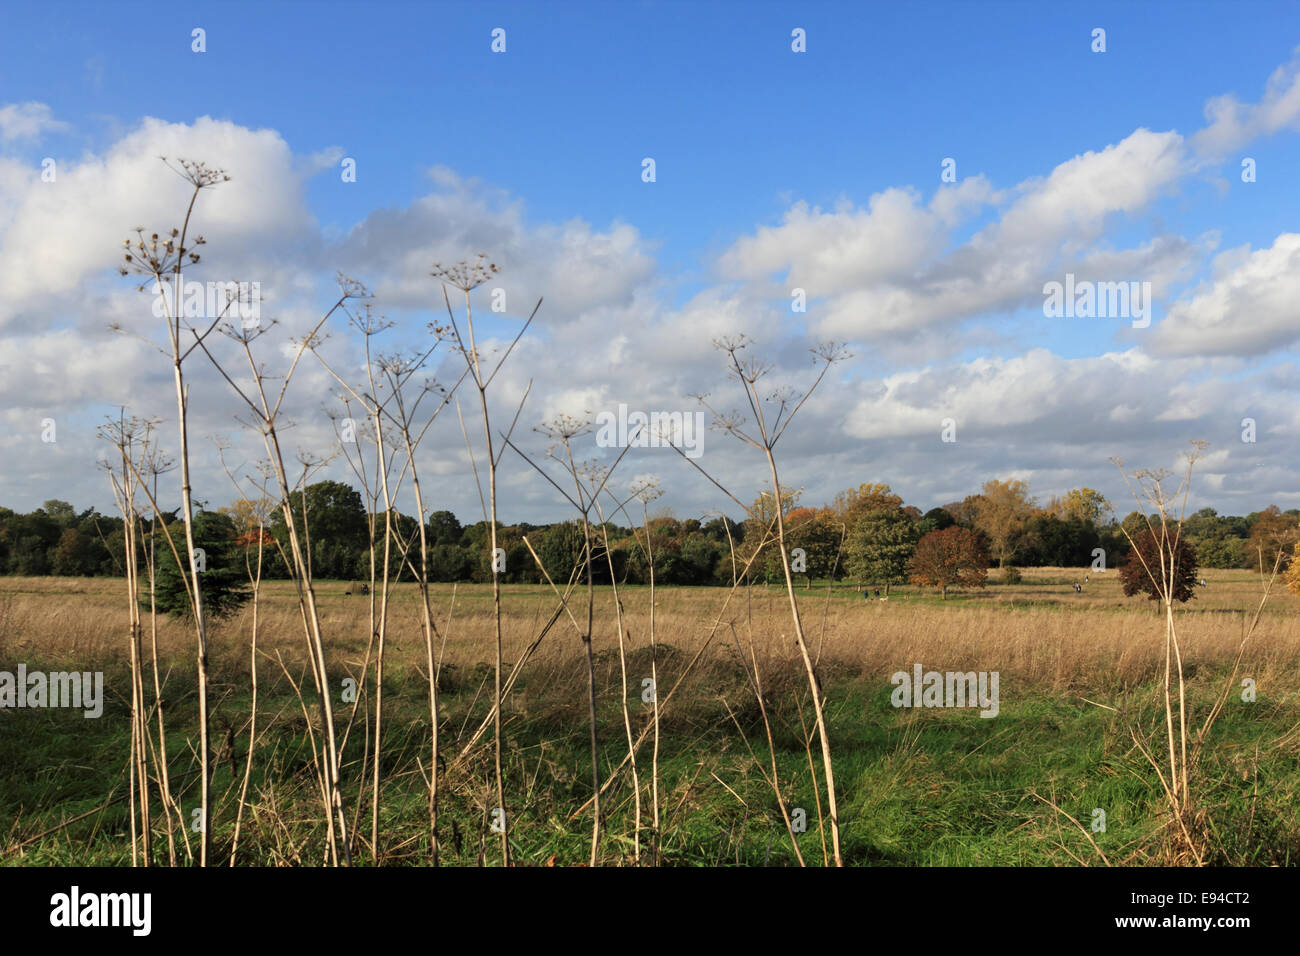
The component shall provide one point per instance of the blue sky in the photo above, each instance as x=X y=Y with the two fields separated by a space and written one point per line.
x=743 y=131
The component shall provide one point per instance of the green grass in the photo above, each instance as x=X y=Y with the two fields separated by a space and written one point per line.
x=916 y=786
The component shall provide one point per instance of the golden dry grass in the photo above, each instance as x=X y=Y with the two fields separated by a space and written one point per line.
x=1039 y=632
x=1052 y=647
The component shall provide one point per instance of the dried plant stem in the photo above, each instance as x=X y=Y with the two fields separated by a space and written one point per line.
x=467 y=277
x=622 y=667
x=398 y=373
x=814 y=685
x=645 y=733
x=132 y=438
x=774 y=781
x=654 y=681
x=255 y=577
x=1164 y=579
x=267 y=413
x=766 y=438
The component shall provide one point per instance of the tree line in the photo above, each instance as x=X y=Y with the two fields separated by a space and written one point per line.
x=867 y=535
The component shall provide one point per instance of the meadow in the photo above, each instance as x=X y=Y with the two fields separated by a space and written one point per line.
x=1081 y=682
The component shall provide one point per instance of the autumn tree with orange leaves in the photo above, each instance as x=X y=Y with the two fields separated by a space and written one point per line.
x=949 y=558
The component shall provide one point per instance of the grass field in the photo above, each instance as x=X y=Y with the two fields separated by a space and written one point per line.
x=917 y=786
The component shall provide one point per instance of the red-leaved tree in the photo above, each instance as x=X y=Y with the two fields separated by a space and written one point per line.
x=948 y=558
x=1153 y=558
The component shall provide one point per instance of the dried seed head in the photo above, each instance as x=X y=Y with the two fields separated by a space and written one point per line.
x=465 y=276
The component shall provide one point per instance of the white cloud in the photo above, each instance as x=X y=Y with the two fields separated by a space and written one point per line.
x=573 y=265
x=1251 y=307
x=1075 y=200
x=887 y=269
x=60 y=233
x=27 y=121
x=832 y=252
x=1232 y=123
x=995 y=393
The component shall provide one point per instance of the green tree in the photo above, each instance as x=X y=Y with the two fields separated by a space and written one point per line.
x=1219 y=552
x=60 y=512
x=879 y=545
x=816 y=533
x=450 y=562
x=336 y=525
x=102 y=552
x=761 y=521
x=700 y=556
x=1135 y=522
x=1220 y=540
x=72 y=556
x=443 y=528
x=222 y=580
x=560 y=549
x=33 y=539
x=718 y=529
x=936 y=519
x=1062 y=543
